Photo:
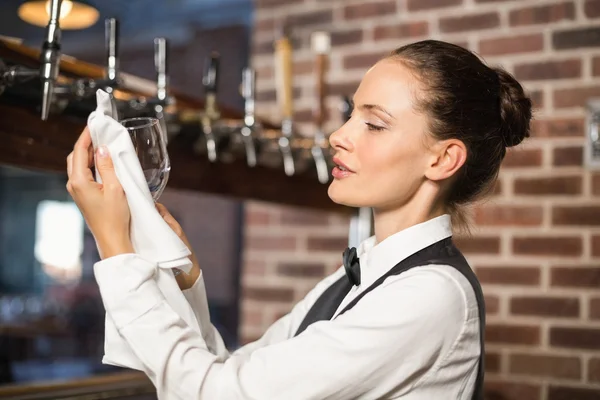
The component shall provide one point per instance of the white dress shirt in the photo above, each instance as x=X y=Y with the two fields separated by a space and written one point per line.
x=416 y=336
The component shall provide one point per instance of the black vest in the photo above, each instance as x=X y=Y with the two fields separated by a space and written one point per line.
x=444 y=253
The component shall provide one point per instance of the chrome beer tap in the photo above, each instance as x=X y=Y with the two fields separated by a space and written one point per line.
x=283 y=76
x=50 y=57
x=49 y=63
x=250 y=124
x=211 y=110
x=321 y=44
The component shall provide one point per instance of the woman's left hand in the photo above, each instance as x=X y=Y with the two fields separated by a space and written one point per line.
x=104 y=206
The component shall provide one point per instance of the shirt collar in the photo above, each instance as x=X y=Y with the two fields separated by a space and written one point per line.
x=378 y=258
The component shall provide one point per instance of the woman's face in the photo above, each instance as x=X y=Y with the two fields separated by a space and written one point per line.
x=384 y=145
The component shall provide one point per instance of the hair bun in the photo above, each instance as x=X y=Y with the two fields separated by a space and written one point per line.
x=515 y=109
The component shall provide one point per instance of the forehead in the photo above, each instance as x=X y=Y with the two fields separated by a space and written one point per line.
x=388 y=83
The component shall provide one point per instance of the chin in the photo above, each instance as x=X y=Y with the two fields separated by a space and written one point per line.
x=344 y=197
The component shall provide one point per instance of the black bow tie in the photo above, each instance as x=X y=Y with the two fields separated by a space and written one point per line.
x=352 y=265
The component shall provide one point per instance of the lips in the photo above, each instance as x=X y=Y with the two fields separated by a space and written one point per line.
x=340 y=170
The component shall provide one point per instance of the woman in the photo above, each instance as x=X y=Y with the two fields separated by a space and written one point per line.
x=430 y=127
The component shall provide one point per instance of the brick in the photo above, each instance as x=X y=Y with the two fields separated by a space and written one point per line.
x=596 y=184
x=596 y=246
x=560 y=185
x=301 y=270
x=576 y=216
x=305 y=67
x=308 y=19
x=568 y=156
x=255 y=268
x=263 y=4
x=545 y=70
x=260 y=48
x=575 y=277
x=512 y=334
x=340 y=38
x=517 y=157
x=257 y=217
x=362 y=60
x=511 y=45
x=594 y=369
x=575 y=338
x=558 y=127
x=572 y=393
x=596 y=66
x=503 y=390
x=404 y=30
x=478 y=245
x=576 y=97
x=264 y=25
x=547 y=246
x=565 y=307
x=591 y=8
x=370 y=9
x=271 y=95
x=508 y=215
x=418 y=5
x=341 y=89
x=293 y=216
x=470 y=22
x=513 y=275
x=537 y=98
x=492 y=362
x=543 y=14
x=545 y=366
x=271 y=243
x=492 y=304
x=252 y=318
x=576 y=38
x=270 y=294
x=595 y=309
x=328 y=243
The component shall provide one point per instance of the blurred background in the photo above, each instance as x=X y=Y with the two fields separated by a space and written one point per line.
x=535 y=242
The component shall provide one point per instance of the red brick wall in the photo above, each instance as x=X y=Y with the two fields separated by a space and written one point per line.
x=536 y=242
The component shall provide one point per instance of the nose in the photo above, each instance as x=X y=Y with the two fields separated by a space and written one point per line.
x=341 y=139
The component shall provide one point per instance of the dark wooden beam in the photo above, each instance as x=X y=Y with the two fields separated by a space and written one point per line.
x=29 y=142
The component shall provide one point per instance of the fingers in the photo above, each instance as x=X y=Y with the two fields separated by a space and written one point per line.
x=81 y=153
x=169 y=219
x=106 y=168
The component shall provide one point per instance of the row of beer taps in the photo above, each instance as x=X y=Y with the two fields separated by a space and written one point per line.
x=220 y=136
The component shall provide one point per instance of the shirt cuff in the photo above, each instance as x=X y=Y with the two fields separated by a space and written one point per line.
x=127 y=287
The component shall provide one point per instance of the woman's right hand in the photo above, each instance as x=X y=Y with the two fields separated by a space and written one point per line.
x=185 y=281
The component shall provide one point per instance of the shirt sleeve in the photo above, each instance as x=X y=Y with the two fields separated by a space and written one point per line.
x=367 y=350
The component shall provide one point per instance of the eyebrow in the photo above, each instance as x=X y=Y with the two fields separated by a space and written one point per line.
x=374 y=107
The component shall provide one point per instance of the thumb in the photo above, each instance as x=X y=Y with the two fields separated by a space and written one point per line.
x=105 y=167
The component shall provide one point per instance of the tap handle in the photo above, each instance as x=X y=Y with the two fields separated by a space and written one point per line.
x=112 y=48
x=248 y=93
x=50 y=57
x=283 y=75
x=211 y=73
x=160 y=63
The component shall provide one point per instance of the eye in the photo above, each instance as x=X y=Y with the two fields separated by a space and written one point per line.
x=373 y=127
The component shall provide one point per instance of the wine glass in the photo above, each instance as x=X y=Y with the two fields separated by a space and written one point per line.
x=149 y=144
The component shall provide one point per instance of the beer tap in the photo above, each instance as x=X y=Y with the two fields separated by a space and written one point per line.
x=211 y=111
x=82 y=88
x=248 y=90
x=283 y=76
x=321 y=44
x=50 y=57
x=49 y=63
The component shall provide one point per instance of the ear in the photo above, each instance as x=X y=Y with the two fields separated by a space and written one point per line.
x=448 y=157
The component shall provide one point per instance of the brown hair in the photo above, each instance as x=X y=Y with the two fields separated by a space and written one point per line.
x=486 y=108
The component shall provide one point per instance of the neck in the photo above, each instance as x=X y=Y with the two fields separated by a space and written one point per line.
x=422 y=207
